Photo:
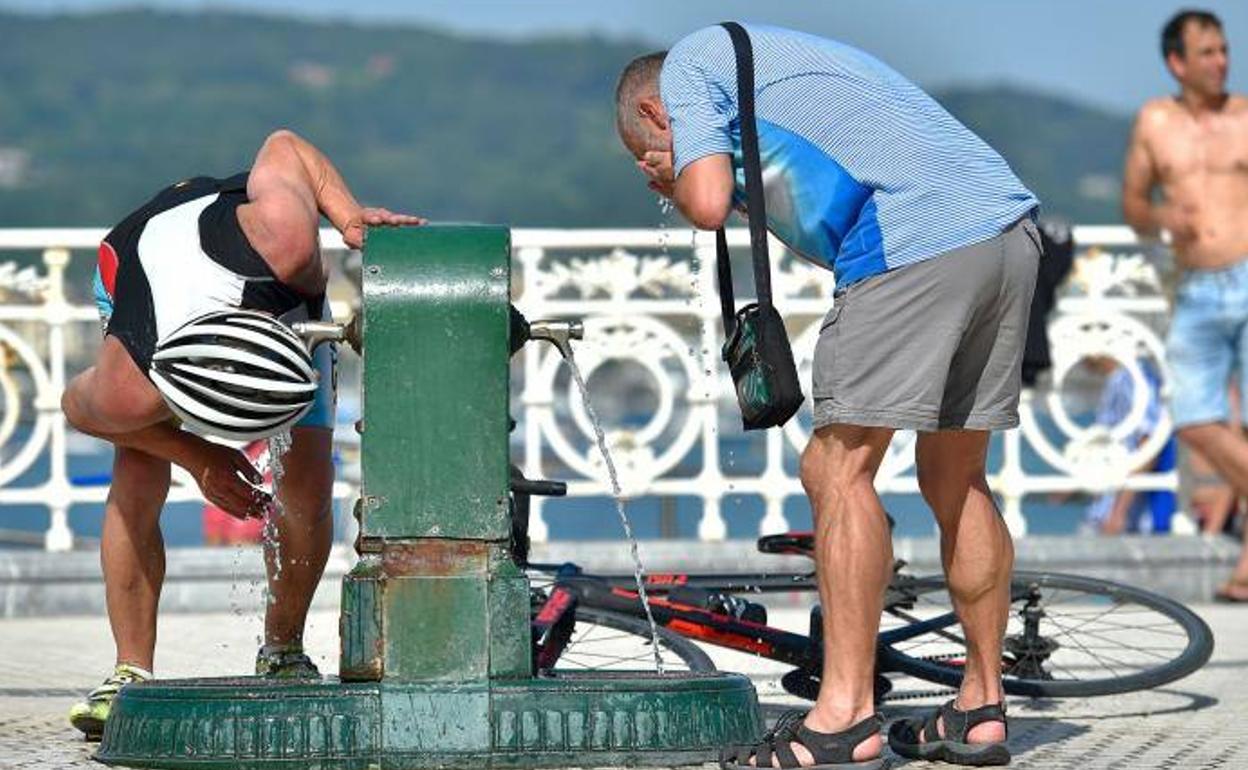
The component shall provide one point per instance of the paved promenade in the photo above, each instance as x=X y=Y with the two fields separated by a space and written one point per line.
x=1194 y=723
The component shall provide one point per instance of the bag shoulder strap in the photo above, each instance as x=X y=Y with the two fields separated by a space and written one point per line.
x=726 y=301
x=744 y=51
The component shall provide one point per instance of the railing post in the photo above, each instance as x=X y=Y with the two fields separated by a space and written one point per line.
x=711 y=527
x=773 y=521
x=1011 y=483
x=59 y=536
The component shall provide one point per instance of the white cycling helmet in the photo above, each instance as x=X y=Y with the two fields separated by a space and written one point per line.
x=237 y=374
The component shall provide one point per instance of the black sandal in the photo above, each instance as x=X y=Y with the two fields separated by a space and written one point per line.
x=831 y=751
x=920 y=739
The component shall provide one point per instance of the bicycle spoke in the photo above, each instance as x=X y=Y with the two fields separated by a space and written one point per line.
x=1057 y=665
x=1102 y=659
x=1104 y=628
x=1123 y=647
x=607 y=641
x=1092 y=638
x=1169 y=629
x=1085 y=622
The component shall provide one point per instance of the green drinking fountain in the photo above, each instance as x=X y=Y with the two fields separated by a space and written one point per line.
x=436 y=666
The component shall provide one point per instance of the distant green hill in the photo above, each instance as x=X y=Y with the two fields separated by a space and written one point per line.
x=1070 y=155
x=98 y=110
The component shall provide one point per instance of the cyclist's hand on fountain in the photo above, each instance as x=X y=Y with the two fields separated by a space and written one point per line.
x=657 y=166
x=353 y=229
x=226 y=478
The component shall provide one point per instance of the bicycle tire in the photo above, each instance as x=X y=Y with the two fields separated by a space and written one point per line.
x=1195 y=650
x=690 y=655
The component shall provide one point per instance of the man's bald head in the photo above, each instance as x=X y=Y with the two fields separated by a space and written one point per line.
x=638 y=85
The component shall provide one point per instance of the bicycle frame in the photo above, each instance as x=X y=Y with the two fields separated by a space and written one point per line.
x=618 y=593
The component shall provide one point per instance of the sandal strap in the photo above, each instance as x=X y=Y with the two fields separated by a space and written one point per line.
x=787 y=723
x=838 y=747
x=958 y=723
x=824 y=748
x=762 y=751
x=762 y=754
x=788 y=758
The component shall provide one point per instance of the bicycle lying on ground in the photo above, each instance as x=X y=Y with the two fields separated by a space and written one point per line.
x=1068 y=636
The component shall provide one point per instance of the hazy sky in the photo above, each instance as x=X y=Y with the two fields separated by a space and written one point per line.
x=1099 y=51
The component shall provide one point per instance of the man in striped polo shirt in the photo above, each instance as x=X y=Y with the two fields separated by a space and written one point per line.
x=932 y=241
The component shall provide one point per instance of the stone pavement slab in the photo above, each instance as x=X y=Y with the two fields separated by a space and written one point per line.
x=1198 y=722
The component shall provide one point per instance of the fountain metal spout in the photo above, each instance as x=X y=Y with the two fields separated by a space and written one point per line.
x=316 y=332
x=558 y=333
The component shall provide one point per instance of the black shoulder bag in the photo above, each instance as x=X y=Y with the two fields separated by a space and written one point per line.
x=757 y=346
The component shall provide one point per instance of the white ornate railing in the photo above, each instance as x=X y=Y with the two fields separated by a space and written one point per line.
x=652 y=331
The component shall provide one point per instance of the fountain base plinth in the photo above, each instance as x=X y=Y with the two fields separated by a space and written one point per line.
x=573 y=719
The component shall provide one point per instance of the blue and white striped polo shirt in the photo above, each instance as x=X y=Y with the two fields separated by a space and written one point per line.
x=864 y=172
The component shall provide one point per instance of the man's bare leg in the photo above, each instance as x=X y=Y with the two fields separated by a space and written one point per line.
x=1236 y=586
x=1225 y=449
x=132 y=552
x=978 y=557
x=854 y=558
x=305 y=533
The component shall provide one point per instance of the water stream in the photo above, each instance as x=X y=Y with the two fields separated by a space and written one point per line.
x=279 y=445
x=616 y=492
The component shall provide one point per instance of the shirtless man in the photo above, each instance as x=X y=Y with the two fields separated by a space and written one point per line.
x=1194 y=147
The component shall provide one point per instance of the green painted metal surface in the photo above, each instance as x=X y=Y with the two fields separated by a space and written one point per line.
x=436 y=329
x=580 y=720
x=245 y=723
x=360 y=623
x=509 y=622
x=435 y=610
x=435 y=382
x=437 y=629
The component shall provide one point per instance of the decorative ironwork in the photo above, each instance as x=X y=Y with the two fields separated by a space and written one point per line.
x=651 y=355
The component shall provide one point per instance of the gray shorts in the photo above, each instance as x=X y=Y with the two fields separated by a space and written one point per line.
x=936 y=345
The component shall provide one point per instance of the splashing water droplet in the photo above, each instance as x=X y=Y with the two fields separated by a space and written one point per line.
x=235 y=568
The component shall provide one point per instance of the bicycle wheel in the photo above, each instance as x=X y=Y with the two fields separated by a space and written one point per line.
x=610 y=641
x=1068 y=636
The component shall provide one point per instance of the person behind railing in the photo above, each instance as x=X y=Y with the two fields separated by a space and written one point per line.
x=198 y=246
x=932 y=241
x=1194 y=147
x=1126 y=510
x=1059 y=255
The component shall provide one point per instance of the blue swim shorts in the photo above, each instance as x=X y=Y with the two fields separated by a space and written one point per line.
x=1208 y=340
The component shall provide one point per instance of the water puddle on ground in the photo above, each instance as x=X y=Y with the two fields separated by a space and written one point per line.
x=638 y=569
